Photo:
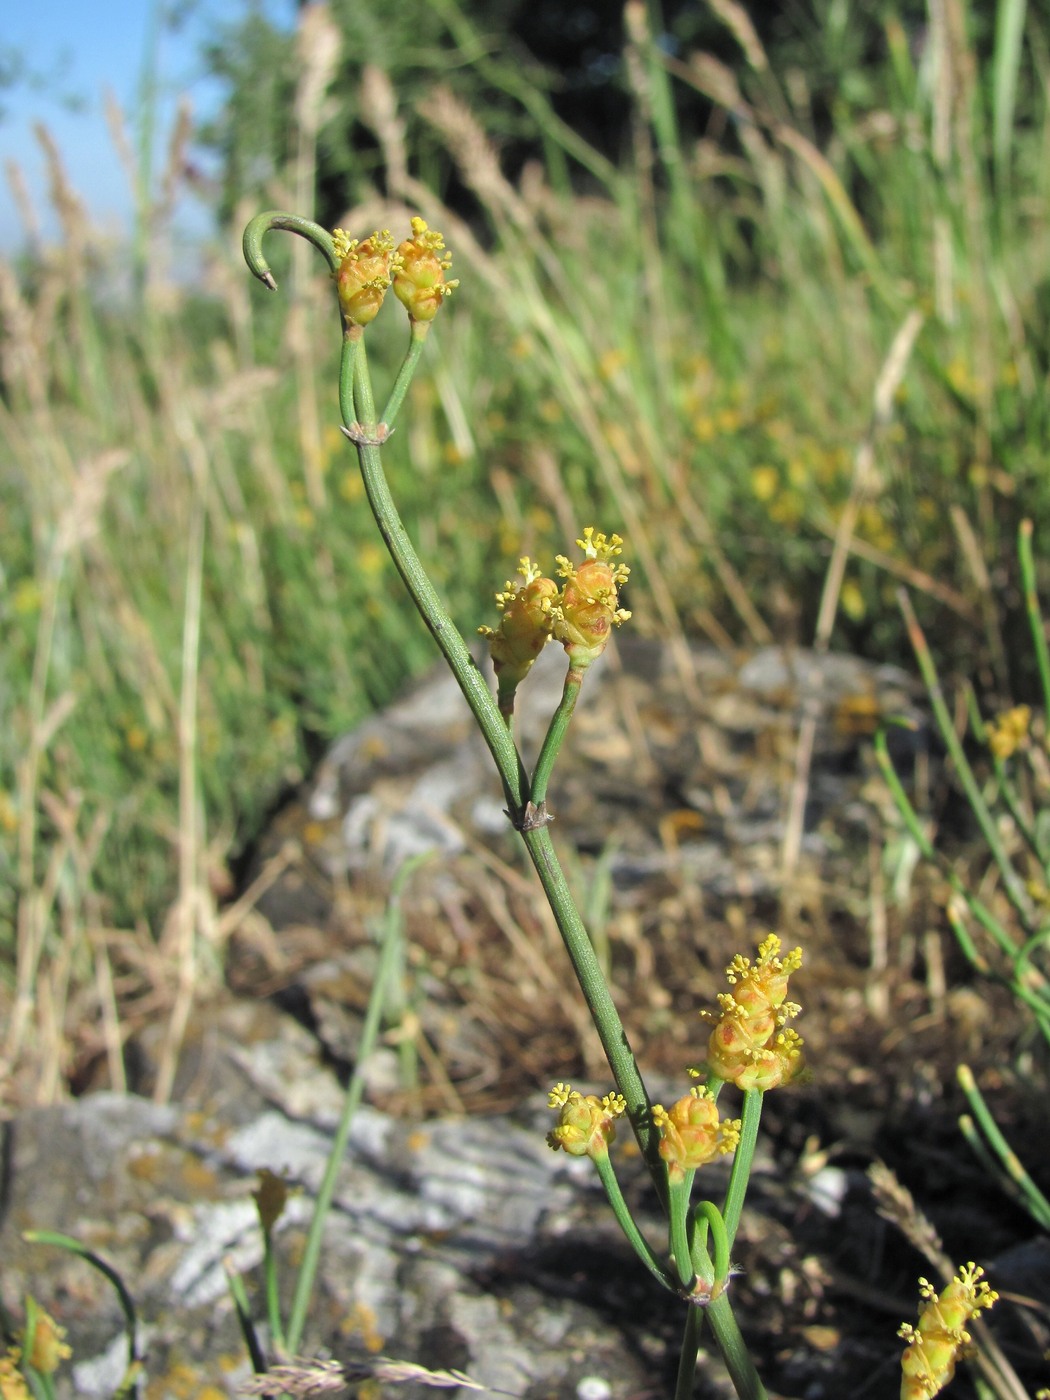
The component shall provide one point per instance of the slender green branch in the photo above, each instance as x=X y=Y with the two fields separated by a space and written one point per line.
x=272 y=1290
x=686 y=1378
x=678 y=1194
x=1035 y=616
x=251 y=243
x=1020 y=1185
x=599 y=1002
x=475 y=690
x=1006 y=789
x=1012 y=882
x=555 y=735
x=740 y=1176
x=127 y=1303
x=369 y=1034
x=627 y=1223
x=405 y=373
x=711 y=1216
x=731 y=1344
x=242 y=1308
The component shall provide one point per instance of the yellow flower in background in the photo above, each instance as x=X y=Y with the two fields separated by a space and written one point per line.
x=12 y=1382
x=1008 y=731
x=47 y=1347
x=765 y=482
x=940 y=1338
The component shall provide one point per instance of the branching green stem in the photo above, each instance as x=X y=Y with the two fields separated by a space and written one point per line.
x=1035 y=616
x=473 y=685
x=251 y=243
x=711 y=1216
x=678 y=1194
x=599 y=1003
x=556 y=731
x=740 y=1176
x=636 y=1239
x=405 y=373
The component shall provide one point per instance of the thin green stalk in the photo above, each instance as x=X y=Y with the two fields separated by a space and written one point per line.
x=555 y=735
x=404 y=375
x=742 y=1372
x=257 y=228
x=710 y=1217
x=1022 y=1186
x=473 y=685
x=678 y=1194
x=272 y=1289
x=242 y=1308
x=635 y=1238
x=1006 y=790
x=987 y=920
x=1035 y=616
x=719 y=1314
x=130 y=1381
x=369 y=1035
x=740 y=1176
x=686 y=1379
x=1012 y=883
x=600 y=1004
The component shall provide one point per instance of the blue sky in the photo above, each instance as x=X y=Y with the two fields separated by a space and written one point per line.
x=71 y=51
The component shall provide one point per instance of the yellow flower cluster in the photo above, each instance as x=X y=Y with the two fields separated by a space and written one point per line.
x=589 y=606
x=416 y=269
x=364 y=274
x=524 y=628
x=940 y=1338
x=749 y=1045
x=586 y=1124
x=691 y=1133
x=580 y=614
x=419 y=277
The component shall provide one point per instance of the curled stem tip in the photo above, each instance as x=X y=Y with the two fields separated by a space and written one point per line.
x=251 y=243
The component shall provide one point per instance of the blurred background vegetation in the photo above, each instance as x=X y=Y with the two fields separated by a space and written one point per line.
x=762 y=288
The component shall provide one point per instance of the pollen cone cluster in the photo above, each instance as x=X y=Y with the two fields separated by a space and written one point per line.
x=750 y=1045
x=940 y=1337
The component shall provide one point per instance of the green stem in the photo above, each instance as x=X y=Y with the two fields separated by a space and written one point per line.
x=719 y=1314
x=1013 y=885
x=694 y=1325
x=681 y=1245
x=600 y=1004
x=369 y=1035
x=251 y=243
x=273 y=1292
x=242 y=1308
x=750 y=1118
x=1021 y=1186
x=556 y=731
x=127 y=1303
x=475 y=690
x=347 y=365
x=405 y=373
x=746 y=1380
x=1031 y=602
x=710 y=1215
x=626 y=1220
